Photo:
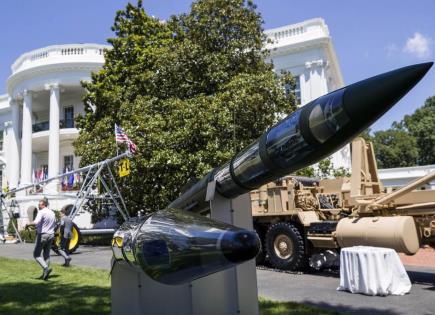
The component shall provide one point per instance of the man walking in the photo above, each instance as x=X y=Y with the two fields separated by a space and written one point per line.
x=66 y=225
x=45 y=223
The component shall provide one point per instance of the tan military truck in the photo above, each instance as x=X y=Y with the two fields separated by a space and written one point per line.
x=303 y=220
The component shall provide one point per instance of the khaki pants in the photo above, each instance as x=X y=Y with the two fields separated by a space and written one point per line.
x=43 y=245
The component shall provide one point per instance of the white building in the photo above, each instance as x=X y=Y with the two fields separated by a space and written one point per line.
x=37 y=113
x=393 y=178
x=44 y=95
x=305 y=49
x=37 y=129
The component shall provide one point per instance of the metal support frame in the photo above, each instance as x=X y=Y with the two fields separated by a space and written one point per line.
x=93 y=172
x=11 y=219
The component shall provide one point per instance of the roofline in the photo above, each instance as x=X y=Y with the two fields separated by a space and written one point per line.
x=34 y=51
x=302 y=23
x=408 y=168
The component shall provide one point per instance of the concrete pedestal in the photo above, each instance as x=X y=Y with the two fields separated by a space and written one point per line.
x=233 y=291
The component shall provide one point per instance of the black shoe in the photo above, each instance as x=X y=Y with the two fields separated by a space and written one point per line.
x=67 y=261
x=46 y=273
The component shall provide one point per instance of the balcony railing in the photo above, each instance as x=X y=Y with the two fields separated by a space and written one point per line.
x=66 y=183
x=57 y=53
x=315 y=27
x=45 y=125
x=41 y=126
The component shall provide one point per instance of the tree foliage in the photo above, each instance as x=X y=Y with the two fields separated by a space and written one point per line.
x=395 y=148
x=190 y=92
x=324 y=169
x=408 y=142
x=421 y=125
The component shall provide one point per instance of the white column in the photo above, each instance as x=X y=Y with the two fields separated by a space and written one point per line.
x=53 y=141
x=323 y=79
x=317 y=80
x=13 y=145
x=26 y=140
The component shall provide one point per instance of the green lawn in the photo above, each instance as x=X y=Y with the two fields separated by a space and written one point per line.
x=68 y=291
x=268 y=307
x=78 y=290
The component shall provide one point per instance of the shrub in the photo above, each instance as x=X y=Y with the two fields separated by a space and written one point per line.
x=28 y=236
x=96 y=240
x=10 y=229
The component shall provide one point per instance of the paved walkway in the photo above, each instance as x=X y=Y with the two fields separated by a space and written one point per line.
x=86 y=256
x=314 y=289
x=320 y=290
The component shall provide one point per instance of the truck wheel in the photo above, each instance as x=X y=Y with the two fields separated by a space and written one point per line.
x=285 y=247
x=74 y=242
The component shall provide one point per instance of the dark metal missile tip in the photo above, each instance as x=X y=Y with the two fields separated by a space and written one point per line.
x=369 y=99
x=240 y=246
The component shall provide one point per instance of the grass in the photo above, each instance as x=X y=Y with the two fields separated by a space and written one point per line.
x=77 y=290
x=268 y=307
x=68 y=291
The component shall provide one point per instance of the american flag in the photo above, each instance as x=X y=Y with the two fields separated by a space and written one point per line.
x=121 y=137
x=132 y=147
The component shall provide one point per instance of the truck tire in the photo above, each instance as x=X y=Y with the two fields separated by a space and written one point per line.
x=73 y=244
x=285 y=247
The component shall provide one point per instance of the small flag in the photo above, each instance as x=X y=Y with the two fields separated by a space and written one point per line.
x=121 y=137
x=132 y=147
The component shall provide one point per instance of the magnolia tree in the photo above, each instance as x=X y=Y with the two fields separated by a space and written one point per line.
x=189 y=92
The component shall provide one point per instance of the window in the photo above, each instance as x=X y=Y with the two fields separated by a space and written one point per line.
x=68 y=163
x=296 y=91
x=69 y=117
x=1 y=140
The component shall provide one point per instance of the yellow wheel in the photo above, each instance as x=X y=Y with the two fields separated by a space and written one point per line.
x=74 y=242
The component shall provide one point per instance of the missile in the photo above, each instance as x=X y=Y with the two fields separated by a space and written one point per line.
x=175 y=247
x=308 y=135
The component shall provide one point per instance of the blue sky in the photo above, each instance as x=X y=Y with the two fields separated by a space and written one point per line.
x=370 y=37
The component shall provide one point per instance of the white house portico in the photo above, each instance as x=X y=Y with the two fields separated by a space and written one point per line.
x=44 y=97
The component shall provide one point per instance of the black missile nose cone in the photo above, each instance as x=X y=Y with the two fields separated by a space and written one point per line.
x=369 y=99
x=240 y=246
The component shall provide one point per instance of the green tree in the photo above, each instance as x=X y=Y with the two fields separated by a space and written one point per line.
x=366 y=135
x=190 y=92
x=308 y=171
x=421 y=125
x=324 y=169
x=395 y=148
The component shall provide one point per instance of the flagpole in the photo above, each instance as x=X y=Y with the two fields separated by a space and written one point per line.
x=116 y=142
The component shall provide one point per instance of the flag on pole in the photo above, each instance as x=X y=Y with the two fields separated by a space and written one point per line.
x=121 y=137
x=132 y=147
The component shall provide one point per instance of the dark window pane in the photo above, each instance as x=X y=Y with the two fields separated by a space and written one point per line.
x=69 y=117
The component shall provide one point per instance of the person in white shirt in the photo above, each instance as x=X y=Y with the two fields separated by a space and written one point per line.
x=45 y=223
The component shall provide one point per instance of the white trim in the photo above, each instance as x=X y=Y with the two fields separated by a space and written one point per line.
x=55 y=50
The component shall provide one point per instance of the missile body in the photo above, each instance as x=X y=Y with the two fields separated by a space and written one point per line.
x=175 y=247
x=308 y=135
